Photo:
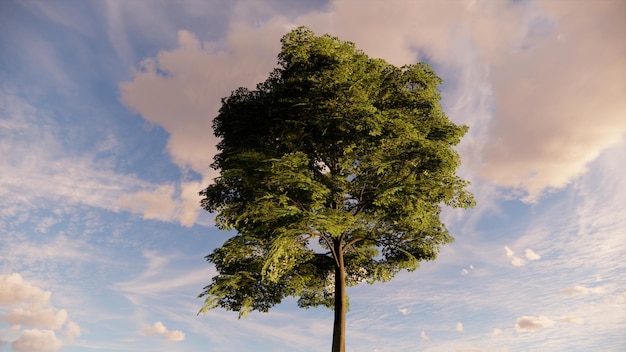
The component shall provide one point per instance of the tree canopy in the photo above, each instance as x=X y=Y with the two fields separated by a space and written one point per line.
x=333 y=172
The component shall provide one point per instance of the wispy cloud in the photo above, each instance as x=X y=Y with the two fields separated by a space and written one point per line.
x=582 y=290
x=35 y=159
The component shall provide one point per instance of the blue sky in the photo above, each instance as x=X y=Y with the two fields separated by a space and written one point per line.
x=105 y=140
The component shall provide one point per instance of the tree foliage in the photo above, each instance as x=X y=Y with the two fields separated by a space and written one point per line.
x=337 y=164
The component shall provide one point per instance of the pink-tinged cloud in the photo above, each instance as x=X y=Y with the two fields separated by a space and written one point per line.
x=559 y=96
x=546 y=102
x=14 y=290
x=37 y=317
x=582 y=290
x=35 y=340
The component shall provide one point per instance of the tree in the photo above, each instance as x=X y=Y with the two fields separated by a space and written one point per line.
x=333 y=172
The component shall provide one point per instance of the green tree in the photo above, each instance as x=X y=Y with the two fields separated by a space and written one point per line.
x=338 y=148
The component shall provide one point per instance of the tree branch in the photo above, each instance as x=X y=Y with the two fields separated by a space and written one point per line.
x=349 y=244
x=330 y=245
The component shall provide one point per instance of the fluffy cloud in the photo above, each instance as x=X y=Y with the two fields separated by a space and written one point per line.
x=519 y=261
x=403 y=311
x=35 y=340
x=515 y=260
x=154 y=204
x=181 y=89
x=37 y=317
x=496 y=332
x=424 y=336
x=31 y=307
x=32 y=304
x=531 y=255
x=582 y=290
x=159 y=329
x=459 y=327
x=530 y=323
x=13 y=291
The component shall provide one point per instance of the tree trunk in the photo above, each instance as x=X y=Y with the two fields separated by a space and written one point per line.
x=339 y=326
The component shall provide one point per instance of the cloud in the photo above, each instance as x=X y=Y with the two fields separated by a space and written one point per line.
x=35 y=340
x=159 y=329
x=14 y=291
x=582 y=290
x=530 y=323
x=32 y=304
x=37 y=317
x=464 y=272
x=180 y=89
x=515 y=260
x=72 y=330
x=153 y=204
x=459 y=327
x=572 y=319
x=531 y=255
x=496 y=332
x=403 y=311
x=424 y=336
x=32 y=309
x=553 y=118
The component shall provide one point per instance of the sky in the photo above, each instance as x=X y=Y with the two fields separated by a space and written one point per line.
x=105 y=141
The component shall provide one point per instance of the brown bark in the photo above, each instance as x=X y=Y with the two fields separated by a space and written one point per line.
x=339 y=325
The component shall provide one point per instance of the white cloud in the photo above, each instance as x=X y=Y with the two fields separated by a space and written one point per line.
x=582 y=290
x=403 y=311
x=496 y=332
x=531 y=323
x=515 y=260
x=464 y=272
x=531 y=255
x=424 y=336
x=35 y=340
x=159 y=329
x=459 y=327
